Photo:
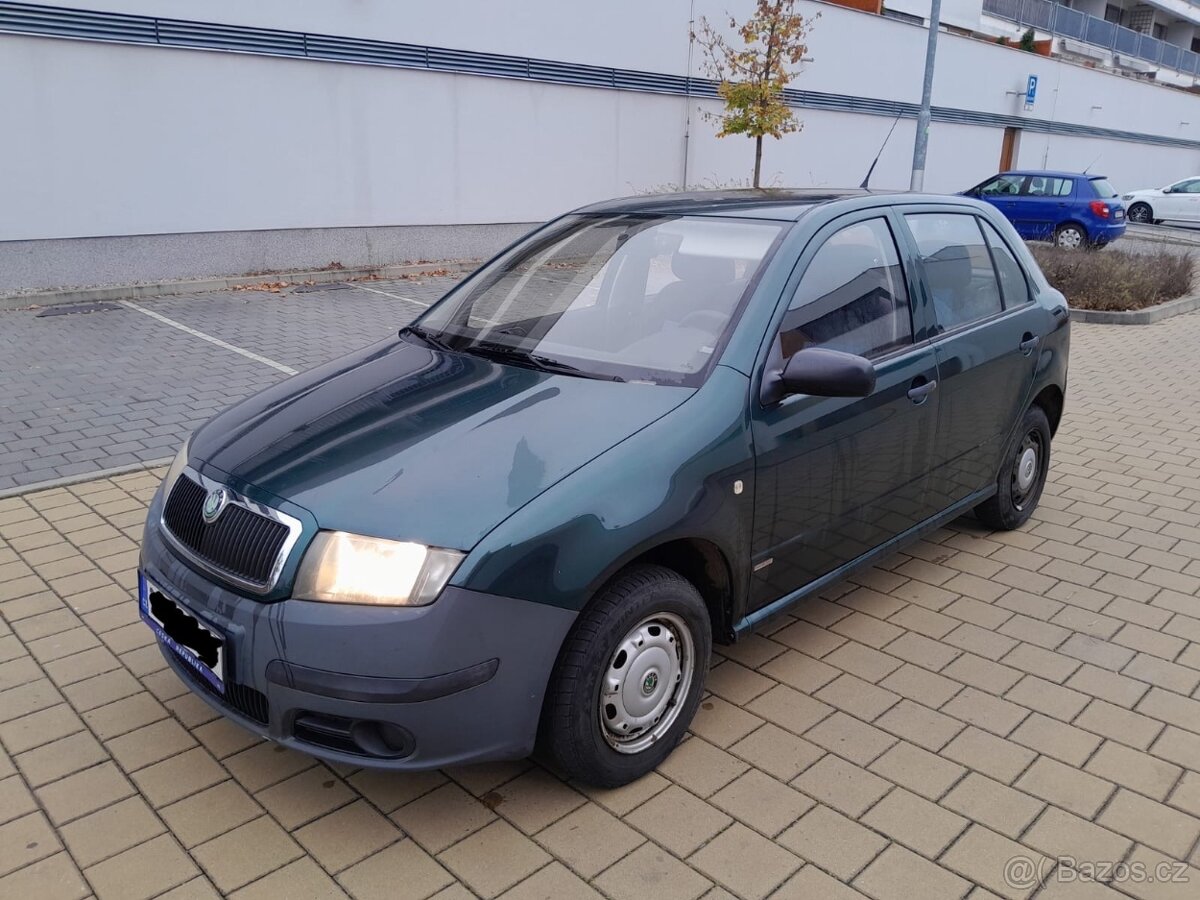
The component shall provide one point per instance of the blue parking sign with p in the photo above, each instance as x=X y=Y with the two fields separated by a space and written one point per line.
x=1031 y=92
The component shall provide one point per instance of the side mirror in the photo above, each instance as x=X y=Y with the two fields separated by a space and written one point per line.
x=828 y=373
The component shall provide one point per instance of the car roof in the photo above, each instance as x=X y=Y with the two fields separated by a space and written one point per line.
x=785 y=204
x=1053 y=173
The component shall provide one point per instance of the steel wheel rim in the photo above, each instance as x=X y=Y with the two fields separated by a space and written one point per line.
x=1070 y=239
x=1027 y=468
x=646 y=682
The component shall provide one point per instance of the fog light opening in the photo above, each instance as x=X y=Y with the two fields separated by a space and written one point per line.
x=382 y=739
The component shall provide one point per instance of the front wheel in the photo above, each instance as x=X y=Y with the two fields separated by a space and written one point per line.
x=629 y=678
x=1070 y=237
x=1141 y=214
x=1022 y=475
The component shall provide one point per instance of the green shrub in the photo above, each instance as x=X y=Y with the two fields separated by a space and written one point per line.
x=1115 y=279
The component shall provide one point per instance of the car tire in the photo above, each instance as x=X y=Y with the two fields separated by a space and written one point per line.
x=1070 y=237
x=1141 y=213
x=1022 y=475
x=639 y=650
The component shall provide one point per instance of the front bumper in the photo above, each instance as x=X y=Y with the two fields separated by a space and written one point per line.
x=458 y=681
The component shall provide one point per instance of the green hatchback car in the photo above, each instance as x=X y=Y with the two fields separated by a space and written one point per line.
x=652 y=424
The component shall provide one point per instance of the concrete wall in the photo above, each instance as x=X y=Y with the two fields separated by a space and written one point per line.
x=117 y=140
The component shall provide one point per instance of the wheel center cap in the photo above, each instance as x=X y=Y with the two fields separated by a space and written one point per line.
x=649 y=683
x=1027 y=469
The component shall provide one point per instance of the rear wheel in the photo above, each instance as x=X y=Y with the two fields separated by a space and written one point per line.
x=1022 y=475
x=628 y=680
x=1070 y=237
x=1141 y=213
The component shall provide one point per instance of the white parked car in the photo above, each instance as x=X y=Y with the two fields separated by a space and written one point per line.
x=1178 y=202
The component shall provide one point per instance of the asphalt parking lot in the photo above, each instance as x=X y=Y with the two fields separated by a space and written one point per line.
x=980 y=715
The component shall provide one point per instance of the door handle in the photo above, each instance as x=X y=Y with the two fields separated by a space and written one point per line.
x=919 y=392
x=1029 y=343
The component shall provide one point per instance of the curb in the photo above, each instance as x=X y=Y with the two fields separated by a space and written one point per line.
x=68 y=480
x=1187 y=304
x=1163 y=234
x=201 y=285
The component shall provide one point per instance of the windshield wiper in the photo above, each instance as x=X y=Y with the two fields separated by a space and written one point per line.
x=520 y=357
x=428 y=338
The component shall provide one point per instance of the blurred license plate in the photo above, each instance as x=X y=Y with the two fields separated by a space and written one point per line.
x=1119 y=214
x=193 y=642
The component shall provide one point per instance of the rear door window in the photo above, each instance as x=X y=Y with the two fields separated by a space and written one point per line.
x=958 y=267
x=1048 y=186
x=1013 y=285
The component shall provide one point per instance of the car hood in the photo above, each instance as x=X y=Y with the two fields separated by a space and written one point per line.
x=1145 y=192
x=399 y=440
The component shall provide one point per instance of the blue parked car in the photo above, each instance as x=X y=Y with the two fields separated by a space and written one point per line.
x=1069 y=209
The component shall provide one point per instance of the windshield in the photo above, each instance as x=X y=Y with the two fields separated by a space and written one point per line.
x=632 y=297
x=1103 y=188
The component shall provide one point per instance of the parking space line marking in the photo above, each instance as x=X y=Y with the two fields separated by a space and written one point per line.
x=420 y=303
x=287 y=370
x=65 y=480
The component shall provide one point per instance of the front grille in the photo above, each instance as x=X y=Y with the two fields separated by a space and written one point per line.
x=245 y=700
x=240 y=543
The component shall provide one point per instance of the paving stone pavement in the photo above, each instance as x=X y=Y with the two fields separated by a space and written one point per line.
x=979 y=706
x=87 y=392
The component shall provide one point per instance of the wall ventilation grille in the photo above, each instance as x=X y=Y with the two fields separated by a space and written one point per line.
x=58 y=22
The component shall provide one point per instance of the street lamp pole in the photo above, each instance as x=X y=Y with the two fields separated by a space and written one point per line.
x=923 y=117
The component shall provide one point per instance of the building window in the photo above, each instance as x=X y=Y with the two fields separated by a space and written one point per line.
x=1196 y=45
x=1112 y=14
x=1160 y=31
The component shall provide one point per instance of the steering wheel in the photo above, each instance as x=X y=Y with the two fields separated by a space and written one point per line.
x=709 y=320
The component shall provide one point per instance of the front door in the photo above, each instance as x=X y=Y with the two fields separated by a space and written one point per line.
x=1002 y=192
x=987 y=340
x=836 y=477
x=1188 y=200
x=1172 y=205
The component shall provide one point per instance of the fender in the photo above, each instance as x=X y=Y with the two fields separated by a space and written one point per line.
x=563 y=546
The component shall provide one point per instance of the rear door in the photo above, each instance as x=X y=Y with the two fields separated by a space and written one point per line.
x=1044 y=203
x=987 y=335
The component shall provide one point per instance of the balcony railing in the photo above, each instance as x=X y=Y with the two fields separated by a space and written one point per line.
x=1046 y=15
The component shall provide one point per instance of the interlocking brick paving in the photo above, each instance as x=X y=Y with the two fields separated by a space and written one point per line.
x=86 y=392
x=975 y=700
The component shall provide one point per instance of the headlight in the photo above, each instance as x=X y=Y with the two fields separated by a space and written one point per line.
x=350 y=568
x=177 y=465
x=1127 y=197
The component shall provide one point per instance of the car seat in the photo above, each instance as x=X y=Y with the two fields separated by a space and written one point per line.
x=948 y=273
